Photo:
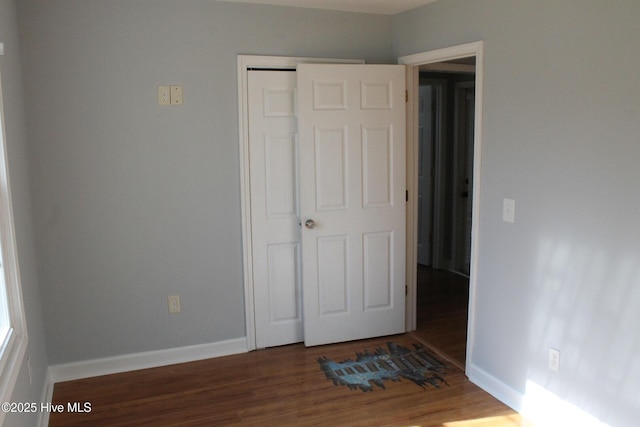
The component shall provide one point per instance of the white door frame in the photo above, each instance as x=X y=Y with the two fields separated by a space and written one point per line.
x=245 y=63
x=413 y=63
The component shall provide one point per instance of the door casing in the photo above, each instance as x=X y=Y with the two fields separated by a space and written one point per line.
x=413 y=63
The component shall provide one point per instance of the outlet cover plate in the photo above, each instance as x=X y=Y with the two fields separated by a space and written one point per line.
x=554 y=359
x=174 y=304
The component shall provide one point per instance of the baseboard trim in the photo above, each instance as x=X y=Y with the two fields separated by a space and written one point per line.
x=495 y=387
x=537 y=404
x=150 y=359
x=47 y=396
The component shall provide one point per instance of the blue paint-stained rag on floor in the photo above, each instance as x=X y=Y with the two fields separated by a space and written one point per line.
x=374 y=368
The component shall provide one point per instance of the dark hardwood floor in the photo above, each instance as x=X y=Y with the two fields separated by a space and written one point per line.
x=284 y=386
x=443 y=300
x=281 y=386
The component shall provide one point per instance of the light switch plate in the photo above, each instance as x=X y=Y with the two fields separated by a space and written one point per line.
x=176 y=95
x=509 y=210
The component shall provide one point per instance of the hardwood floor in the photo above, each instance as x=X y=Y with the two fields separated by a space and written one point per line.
x=281 y=386
x=284 y=386
x=443 y=300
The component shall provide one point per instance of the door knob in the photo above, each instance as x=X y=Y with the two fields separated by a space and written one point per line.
x=310 y=224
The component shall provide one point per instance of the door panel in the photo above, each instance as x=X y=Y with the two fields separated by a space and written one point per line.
x=378 y=270
x=330 y=163
x=333 y=278
x=274 y=208
x=352 y=184
x=280 y=175
x=377 y=153
x=283 y=282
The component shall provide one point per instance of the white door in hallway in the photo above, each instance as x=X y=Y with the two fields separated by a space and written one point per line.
x=352 y=200
x=274 y=208
x=425 y=173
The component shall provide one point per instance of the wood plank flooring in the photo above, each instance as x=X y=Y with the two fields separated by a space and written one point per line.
x=281 y=386
x=442 y=309
x=284 y=386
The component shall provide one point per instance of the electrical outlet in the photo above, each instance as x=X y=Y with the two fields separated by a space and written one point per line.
x=554 y=359
x=174 y=304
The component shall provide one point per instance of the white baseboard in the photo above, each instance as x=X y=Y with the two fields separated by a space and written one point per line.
x=47 y=396
x=537 y=404
x=133 y=362
x=149 y=359
x=495 y=387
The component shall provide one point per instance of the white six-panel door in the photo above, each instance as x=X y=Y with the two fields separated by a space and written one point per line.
x=274 y=208
x=352 y=199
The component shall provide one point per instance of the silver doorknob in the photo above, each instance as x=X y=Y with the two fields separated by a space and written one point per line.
x=310 y=224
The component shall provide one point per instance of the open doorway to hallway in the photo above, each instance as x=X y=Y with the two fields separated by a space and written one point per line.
x=445 y=200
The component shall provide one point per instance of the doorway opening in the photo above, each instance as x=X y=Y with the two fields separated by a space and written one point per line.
x=445 y=195
x=445 y=101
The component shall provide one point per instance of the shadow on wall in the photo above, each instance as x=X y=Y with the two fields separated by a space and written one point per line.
x=587 y=307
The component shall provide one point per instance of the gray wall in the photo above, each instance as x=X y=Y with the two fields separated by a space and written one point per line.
x=16 y=140
x=560 y=136
x=135 y=202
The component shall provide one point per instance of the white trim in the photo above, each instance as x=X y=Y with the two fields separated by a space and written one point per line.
x=412 y=159
x=47 y=396
x=245 y=62
x=445 y=54
x=413 y=62
x=14 y=359
x=14 y=346
x=144 y=360
x=536 y=404
x=495 y=387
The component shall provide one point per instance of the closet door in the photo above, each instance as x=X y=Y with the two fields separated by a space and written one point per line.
x=274 y=208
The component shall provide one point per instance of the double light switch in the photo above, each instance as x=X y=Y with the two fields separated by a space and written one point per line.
x=170 y=95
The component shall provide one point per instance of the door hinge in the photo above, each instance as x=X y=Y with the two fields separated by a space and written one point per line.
x=406 y=290
x=406 y=96
x=406 y=195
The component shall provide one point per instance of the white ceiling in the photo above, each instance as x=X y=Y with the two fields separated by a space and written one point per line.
x=384 y=7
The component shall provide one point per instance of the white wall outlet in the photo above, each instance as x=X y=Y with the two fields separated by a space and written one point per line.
x=174 y=304
x=509 y=210
x=164 y=95
x=554 y=359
